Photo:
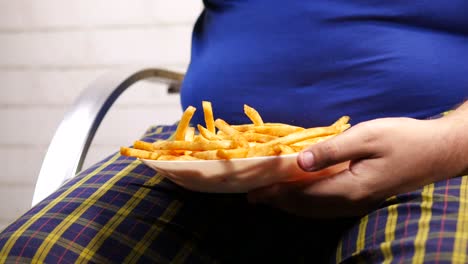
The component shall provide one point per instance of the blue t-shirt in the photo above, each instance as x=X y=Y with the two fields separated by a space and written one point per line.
x=310 y=62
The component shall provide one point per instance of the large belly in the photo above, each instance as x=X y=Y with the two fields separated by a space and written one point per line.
x=318 y=67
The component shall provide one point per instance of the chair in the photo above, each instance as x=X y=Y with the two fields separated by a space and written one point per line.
x=76 y=131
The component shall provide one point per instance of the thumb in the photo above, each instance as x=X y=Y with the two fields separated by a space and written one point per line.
x=355 y=143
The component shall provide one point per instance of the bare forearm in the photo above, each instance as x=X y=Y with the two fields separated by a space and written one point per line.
x=458 y=124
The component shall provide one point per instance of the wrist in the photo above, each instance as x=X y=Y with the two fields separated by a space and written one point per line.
x=455 y=128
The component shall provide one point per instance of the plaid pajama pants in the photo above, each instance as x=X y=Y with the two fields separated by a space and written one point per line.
x=120 y=211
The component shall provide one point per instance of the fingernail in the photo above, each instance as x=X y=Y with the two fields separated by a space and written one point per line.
x=307 y=160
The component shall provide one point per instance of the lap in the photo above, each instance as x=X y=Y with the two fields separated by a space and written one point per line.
x=119 y=210
x=429 y=225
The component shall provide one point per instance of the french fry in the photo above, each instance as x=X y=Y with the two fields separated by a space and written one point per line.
x=189 y=134
x=143 y=145
x=209 y=119
x=186 y=157
x=281 y=149
x=344 y=127
x=206 y=155
x=207 y=134
x=277 y=130
x=232 y=141
x=184 y=123
x=311 y=141
x=341 y=121
x=221 y=134
x=260 y=150
x=239 y=141
x=138 y=153
x=305 y=134
x=298 y=148
x=225 y=127
x=194 y=145
x=199 y=138
x=252 y=127
x=232 y=153
x=253 y=115
x=257 y=137
x=265 y=149
x=168 y=157
x=243 y=128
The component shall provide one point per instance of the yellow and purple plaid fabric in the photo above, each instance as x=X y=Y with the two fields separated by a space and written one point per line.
x=120 y=211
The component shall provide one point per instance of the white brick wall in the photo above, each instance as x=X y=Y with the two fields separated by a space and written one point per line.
x=50 y=50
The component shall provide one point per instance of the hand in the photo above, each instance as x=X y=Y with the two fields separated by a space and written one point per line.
x=388 y=156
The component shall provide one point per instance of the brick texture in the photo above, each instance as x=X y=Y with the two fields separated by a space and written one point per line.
x=51 y=50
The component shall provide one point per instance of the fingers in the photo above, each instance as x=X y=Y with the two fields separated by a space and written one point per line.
x=343 y=184
x=264 y=194
x=338 y=195
x=356 y=143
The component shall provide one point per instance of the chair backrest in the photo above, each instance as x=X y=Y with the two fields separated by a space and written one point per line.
x=76 y=131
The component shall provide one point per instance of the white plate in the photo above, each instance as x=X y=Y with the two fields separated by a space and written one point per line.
x=236 y=175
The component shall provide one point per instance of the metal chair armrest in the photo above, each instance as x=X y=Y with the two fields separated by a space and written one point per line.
x=70 y=144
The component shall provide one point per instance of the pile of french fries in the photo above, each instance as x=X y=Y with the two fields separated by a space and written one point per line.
x=219 y=140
